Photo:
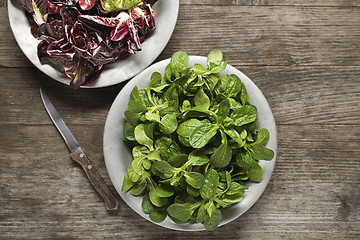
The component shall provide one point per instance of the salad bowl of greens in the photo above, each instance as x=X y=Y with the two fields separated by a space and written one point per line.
x=190 y=143
x=93 y=43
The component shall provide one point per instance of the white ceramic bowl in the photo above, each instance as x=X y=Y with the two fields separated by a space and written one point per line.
x=165 y=20
x=118 y=155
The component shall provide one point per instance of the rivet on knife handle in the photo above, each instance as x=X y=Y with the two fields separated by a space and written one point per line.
x=96 y=180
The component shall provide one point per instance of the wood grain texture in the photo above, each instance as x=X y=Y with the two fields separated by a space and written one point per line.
x=319 y=3
x=305 y=58
x=300 y=35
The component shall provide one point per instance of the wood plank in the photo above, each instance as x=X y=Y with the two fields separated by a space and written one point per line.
x=337 y=3
x=297 y=95
x=310 y=191
x=270 y=36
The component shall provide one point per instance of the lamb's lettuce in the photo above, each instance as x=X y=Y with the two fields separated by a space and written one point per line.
x=195 y=141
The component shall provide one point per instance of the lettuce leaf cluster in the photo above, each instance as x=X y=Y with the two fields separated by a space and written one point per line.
x=195 y=142
x=78 y=37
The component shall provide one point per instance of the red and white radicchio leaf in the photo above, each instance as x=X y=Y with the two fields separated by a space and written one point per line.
x=81 y=71
x=37 y=8
x=104 y=21
x=86 y=4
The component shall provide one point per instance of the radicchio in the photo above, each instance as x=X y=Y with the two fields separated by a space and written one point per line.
x=79 y=36
x=37 y=8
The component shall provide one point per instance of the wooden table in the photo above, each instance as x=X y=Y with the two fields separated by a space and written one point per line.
x=304 y=56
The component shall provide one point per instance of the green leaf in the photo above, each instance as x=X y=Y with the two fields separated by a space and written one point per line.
x=152 y=116
x=134 y=95
x=200 y=82
x=163 y=142
x=201 y=100
x=139 y=152
x=233 y=86
x=215 y=56
x=163 y=190
x=260 y=152
x=234 y=198
x=212 y=80
x=197 y=158
x=255 y=172
x=129 y=132
x=160 y=88
x=262 y=136
x=177 y=160
x=186 y=128
x=244 y=96
x=138 y=188
x=168 y=123
x=182 y=211
x=168 y=72
x=146 y=164
x=184 y=141
x=156 y=200
x=212 y=222
x=224 y=109
x=197 y=112
x=168 y=148
x=164 y=167
x=179 y=62
x=137 y=106
x=142 y=138
x=199 y=69
x=209 y=188
x=155 y=79
x=235 y=188
x=172 y=97
x=244 y=159
x=193 y=192
x=244 y=115
x=234 y=104
x=217 y=69
x=146 y=204
x=227 y=179
x=132 y=117
x=133 y=176
x=127 y=184
x=159 y=215
x=186 y=105
x=194 y=179
x=202 y=214
x=222 y=155
x=235 y=136
x=210 y=208
x=203 y=134
x=149 y=129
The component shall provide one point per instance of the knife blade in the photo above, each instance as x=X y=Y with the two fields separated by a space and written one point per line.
x=79 y=156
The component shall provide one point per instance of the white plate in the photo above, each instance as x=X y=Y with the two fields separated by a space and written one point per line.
x=118 y=155
x=166 y=16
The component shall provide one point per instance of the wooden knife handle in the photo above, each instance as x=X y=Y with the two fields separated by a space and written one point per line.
x=98 y=183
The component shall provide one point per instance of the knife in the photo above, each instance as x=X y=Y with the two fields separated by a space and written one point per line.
x=79 y=156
